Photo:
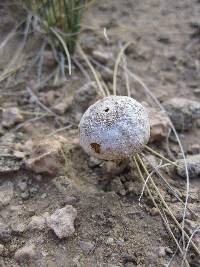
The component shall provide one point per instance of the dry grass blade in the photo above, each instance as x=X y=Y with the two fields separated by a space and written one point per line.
x=160 y=156
x=164 y=218
x=149 y=93
x=188 y=244
x=94 y=72
x=81 y=68
x=149 y=176
x=126 y=75
x=120 y=55
x=167 y=207
x=65 y=48
x=176 y=193
x=17 y=61
x=35 y=98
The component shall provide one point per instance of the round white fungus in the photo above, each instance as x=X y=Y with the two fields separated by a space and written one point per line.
x=115 y=127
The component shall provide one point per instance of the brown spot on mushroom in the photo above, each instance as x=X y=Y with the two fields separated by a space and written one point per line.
x=96 y=147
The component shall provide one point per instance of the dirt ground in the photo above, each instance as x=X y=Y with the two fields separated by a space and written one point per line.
x=111 y=228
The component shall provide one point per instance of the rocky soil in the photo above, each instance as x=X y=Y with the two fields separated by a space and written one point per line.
x=58 y=206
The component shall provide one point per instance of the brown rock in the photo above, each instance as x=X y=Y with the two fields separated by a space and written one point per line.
x=11 y=116
x=48 y=98
x=102 y=57
x=159 y=125
x=45 y=155
x=154 y=211
x=63 y=106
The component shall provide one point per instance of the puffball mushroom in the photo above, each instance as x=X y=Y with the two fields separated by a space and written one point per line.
x=114 y=128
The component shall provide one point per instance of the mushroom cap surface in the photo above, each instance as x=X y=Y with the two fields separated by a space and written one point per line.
x=114 y=128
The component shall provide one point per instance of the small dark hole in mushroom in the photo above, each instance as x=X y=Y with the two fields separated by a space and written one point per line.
x=106 y=110
x=96 y=147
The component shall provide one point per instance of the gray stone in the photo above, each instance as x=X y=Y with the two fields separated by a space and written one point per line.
x=25 y=253
x=197 y=91
x=43 y=196
x=87 y=246
x=116 y=185
x=38 y=222
x=1 y=249
x=102 y=57
x=6 y=194
x=25 y=195
x=183 y=112
x=45 y=156
x=161 y=252
x=70 y=200
x=194 y=149
x=18 y=227
x=94 y=162
x=62 y=221
x=22 y=186
x=11 y=116
x=5 y=232
x=193 y=164
x=9 y=163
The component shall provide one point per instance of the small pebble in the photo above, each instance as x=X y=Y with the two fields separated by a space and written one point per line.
x=109 y=241
x=120 y=242
x=1 y=249
x=129 y=258
x=18 y=227
x=11 y=116
x=194 y=149
x=70 y=200
x=33 y=190
x=94 y=162
x=62 y=221
x=168 y=251
x=25 y=195
x=102 y=57
x=38 y=222
x=43 y=196
x=5 y=232
x=154 y=211
x=87 y=246
x=25 y=253
x=162 y=252
x=197 y=91
x=22 y=186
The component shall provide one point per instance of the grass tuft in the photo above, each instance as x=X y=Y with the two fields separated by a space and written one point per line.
x=63 y=15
